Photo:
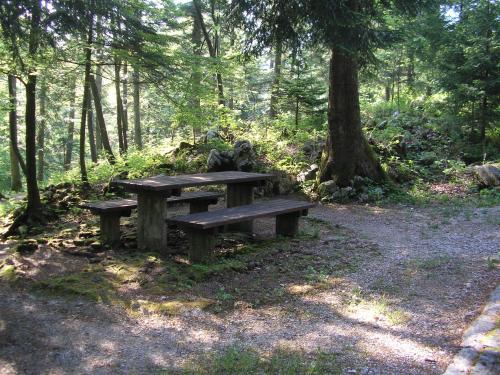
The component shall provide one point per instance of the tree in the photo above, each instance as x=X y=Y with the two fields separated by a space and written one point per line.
x=350 y=30
x=71 y=125
x=41 y=131
x=16 y=159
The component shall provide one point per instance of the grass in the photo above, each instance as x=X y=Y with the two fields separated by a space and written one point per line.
x=243 y=361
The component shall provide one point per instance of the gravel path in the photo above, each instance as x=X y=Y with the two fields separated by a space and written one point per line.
x=400 y=312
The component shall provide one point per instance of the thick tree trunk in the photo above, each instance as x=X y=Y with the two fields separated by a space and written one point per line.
x=16 y=183
x=137 y=110
x=100 y=120
x=41 y=131
x=85 y=102
x=71 y=127
x=196 y=76
x=347 y=151
x=273 y=111
x=119 y=106
x=34 y=205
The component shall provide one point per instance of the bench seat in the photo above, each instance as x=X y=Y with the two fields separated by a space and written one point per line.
x=201 y=226
x=111 y=211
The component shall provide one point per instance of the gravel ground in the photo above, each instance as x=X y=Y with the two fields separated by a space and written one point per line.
x=400 y=312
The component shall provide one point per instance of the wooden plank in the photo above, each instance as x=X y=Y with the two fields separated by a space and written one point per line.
x=117 y=205
x=212 y=219
x=192 y=196
x=164 y=183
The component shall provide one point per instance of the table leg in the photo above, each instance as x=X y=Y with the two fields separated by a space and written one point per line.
x=239 y=195
x=151 y=222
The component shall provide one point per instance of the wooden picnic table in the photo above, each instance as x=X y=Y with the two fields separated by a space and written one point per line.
x=152 y=205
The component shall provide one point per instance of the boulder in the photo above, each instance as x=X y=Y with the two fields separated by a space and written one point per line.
x=308 y=174
x=218 y=161
x=488 y=174
x=313 y=149
x=243 y=156
x=211 y=135
x=327 y=189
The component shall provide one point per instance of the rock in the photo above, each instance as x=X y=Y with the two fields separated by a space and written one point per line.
x=281 y=184
x=211 y=135
x=220 y=161
x=26 y=247
x=243 y=156
x=308 y=174
x=313 y=149
x=327 y=189
x=488 y=174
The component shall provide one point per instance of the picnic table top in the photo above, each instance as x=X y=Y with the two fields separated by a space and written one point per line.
x=162 y=183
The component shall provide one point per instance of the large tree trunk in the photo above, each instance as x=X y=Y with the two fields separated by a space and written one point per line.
x=71 y=127
x=273 y=111
x=34 y=205
x=98 y=140
x=16 y=183
x=85 y=102
x=196 y=76
x=41 y=131
x=119 y=106
x=100 y=120
x=137 y=110
x=347 y=151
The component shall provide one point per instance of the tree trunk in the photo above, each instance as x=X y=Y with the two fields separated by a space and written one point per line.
x=137 y=110
x=85 y=102
x=98 y=140
x=41 y=131
x=34 y=205
x=100 y=120
x=273 y=111
x=196 y=77
x=119 y=106
x=90 y=125
x=347 y=151
x=71 y=127
x=125 y=106
x=212 y=49
x=16 y=183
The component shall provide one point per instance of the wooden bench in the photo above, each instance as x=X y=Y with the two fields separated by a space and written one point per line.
x=201 y=227
x=111 y=211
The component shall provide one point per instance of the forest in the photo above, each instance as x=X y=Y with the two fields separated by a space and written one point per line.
x=375 y=111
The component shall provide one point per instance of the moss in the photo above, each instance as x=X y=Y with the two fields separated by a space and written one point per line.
x=8 y=272
x=175 y=307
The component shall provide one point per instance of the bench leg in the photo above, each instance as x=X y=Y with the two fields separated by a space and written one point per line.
x=239 y=195
x=200 y=206
x=110 y=229
x=287 y=224
x=201 y=244
x=151 y=222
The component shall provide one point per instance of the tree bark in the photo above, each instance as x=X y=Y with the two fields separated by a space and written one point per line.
x=119 y=106
x=85 y=101
x=196 y=76
x=34 y=205
x=90 y=125
x=273 y=111
x=124 y=98
x=100 y=120
x=347 y=151
x=71 y=127
x=16 y=183
x=41 y=131
x=137 y=110
x=98 y=140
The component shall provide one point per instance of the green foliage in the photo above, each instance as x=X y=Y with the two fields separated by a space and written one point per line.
x=243 y=361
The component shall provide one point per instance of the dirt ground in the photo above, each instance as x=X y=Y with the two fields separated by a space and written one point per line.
x=382 y=290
